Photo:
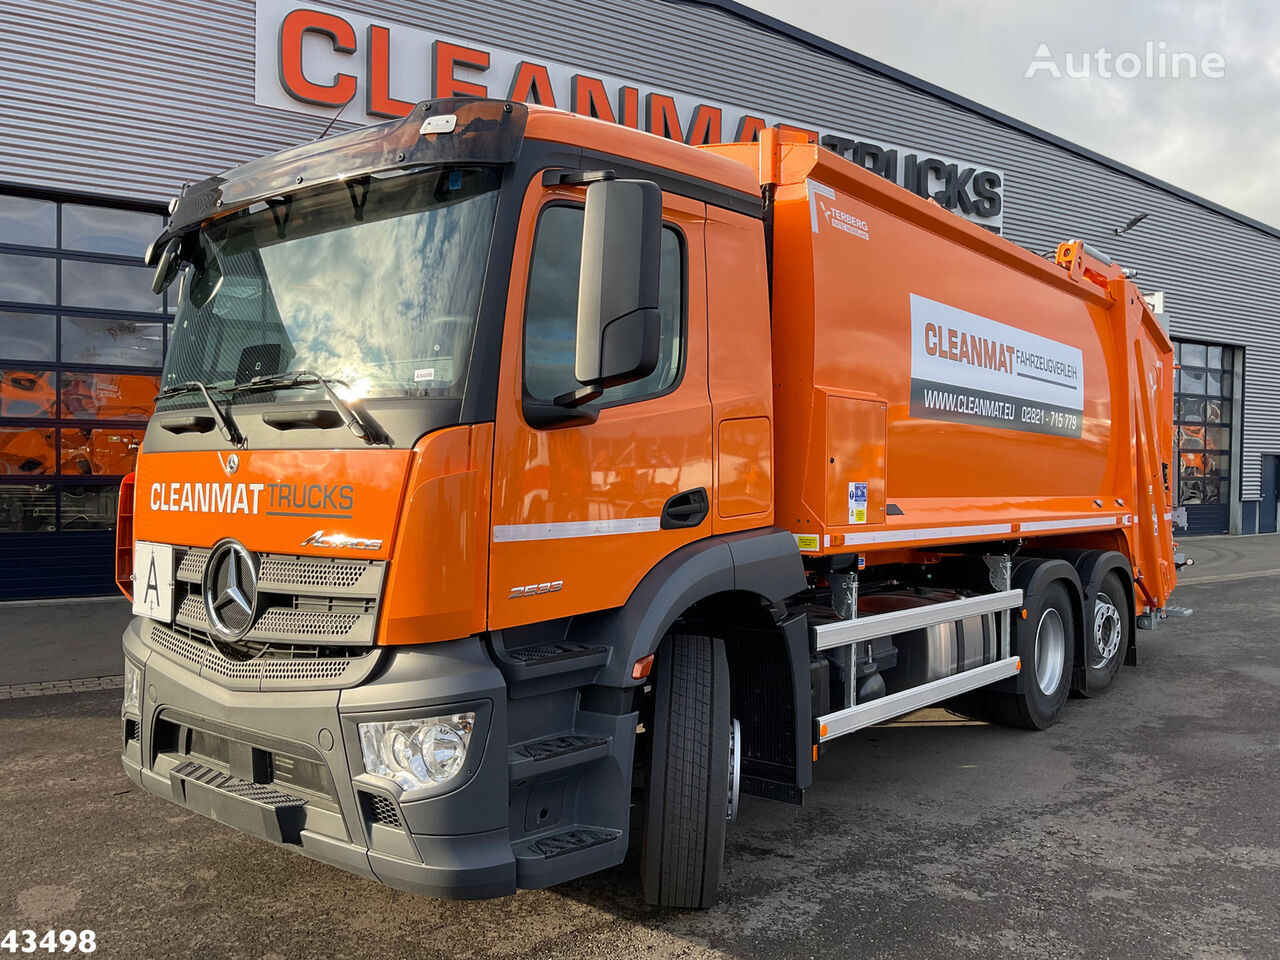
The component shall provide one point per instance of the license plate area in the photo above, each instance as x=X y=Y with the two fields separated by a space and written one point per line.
x=153 y=580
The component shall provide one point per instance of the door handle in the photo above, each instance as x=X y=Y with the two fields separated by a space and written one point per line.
x=687 y=509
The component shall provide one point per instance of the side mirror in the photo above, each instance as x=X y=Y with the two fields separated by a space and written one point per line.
x=619 y=325
x=169 y=262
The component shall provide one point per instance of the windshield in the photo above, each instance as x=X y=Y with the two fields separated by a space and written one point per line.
x=374 y=282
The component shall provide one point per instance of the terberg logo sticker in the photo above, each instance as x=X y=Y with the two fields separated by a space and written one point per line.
x=824 y=213
x=968 y=369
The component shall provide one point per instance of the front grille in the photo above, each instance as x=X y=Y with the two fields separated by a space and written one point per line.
x=311 y=573
x=301 y=601
x=273 y=666
x=380 y=809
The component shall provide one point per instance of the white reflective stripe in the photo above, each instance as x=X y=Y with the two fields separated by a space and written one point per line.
x=895 y=536
x=511 y=532
x=1071 y=524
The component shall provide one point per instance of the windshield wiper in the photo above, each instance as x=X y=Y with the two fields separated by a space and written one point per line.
x=226 y=426
x=354 y=417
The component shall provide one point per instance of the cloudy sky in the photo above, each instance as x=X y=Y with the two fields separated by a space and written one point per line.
x=1218 y=138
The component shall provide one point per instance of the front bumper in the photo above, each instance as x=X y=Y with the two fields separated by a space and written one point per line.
x=285 y=764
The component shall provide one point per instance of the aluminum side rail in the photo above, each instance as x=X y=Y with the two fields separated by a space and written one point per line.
x=844 y=632
x=896 y=704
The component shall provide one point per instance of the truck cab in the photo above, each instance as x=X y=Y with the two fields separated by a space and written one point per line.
x=431 y=478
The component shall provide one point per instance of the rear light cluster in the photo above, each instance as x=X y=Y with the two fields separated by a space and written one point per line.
x=124 y=536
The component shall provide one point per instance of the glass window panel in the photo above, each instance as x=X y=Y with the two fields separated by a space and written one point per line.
x=108 y=286
x=1191 y=465
x=1193 y=381
x=99 y=452
x=108 y=396
x=1190 y=438
x=1217 y=411
x=1217 y=464
x=28 y=393
x=27 y=508
x=1177 y=351
x=108 y=230
x=24 y=220
x=28 y=279
x=27 y=451
x=1215 y=357
x=1215 y=491
x=1191 y=491
x=1213 y=383
x=551 y=311
x=89 y=507
x=27 y=336
x=124 y=342
x=1189 y=409
x=1194 y=354
x=1218 y=438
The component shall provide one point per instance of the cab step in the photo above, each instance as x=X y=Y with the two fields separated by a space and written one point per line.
x=537 y=758
x=571 y=841
x=566 y=853
x=545 y=667
x=562 y=652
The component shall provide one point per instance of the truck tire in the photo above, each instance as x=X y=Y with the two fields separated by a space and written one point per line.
x=1107 y=639
x=1046 y=642
x=687 y=799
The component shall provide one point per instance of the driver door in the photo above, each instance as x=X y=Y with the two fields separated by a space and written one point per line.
x=578 y=510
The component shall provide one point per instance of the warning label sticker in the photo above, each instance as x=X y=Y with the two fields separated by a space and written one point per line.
x=968 y=369
x=807 y=541
x=857 y=502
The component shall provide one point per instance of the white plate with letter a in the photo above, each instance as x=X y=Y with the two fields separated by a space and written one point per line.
x=153 y=580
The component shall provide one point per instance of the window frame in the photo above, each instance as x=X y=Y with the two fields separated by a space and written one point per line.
x=58 y=482
x=602 y=404
x=1229 y=355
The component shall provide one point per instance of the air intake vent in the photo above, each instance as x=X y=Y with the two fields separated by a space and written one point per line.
x=380 y=809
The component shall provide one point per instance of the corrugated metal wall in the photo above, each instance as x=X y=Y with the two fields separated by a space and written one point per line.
x=131 y=97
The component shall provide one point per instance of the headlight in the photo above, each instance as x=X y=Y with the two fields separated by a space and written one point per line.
x=132 y=688
x=417 y=753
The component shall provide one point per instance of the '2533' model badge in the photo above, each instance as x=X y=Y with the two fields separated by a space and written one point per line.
x=533 y=589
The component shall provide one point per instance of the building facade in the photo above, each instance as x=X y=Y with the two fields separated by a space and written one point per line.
x=112 y=106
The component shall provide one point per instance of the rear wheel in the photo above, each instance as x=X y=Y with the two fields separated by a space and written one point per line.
x=688 y=800
x=1045 y=642
x=1107 y=638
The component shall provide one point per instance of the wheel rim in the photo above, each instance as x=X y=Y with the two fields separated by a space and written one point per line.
x=1051 y=646
x=1106 y=631
x=735 y=767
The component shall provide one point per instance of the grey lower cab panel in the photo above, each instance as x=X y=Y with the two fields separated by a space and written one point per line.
x=287 y=766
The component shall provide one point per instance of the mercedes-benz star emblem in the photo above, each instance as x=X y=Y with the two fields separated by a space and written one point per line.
x=232 y=464
x=231 y=589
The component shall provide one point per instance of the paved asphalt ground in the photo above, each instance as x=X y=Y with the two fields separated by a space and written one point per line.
x=1145 y=824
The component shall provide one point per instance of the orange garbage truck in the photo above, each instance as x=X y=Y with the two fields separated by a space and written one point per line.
x=523 y=484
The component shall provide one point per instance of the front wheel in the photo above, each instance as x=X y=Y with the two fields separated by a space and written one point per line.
x=688 y=799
